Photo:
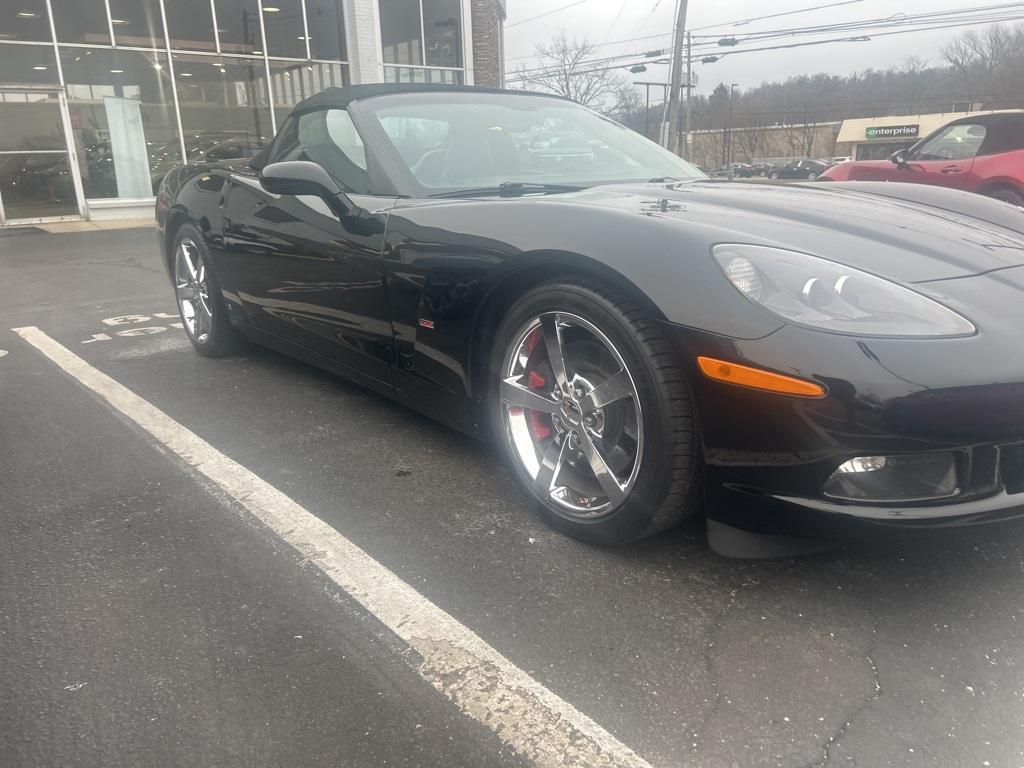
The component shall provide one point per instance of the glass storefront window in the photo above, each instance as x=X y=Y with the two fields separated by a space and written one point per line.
x=190 y=25
x=286 y=33
x=400 y=31
x=24 y=20
x=326 y=29
x=442 y=30
x=28 y=65
x=31 y=122
x=122 y=116
x=238 y=24
x=81 y=21
x=291 y=82
x=35 y=179
x=222 y=100
x=137 y=23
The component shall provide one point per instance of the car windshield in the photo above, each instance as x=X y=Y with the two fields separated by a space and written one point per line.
x=448 y=141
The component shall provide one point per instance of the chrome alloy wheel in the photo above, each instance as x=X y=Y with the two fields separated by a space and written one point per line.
x=571 y=415
x=191 y=288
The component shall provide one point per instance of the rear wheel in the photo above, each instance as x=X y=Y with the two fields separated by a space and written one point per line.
x=774 y=177
x=1008 y=195
x=199 y=298
x=593 y=414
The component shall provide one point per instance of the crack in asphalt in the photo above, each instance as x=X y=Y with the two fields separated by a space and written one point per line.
x=709 y=660
x=836 y=737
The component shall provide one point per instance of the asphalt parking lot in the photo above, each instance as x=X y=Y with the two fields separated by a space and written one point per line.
x=148 y=619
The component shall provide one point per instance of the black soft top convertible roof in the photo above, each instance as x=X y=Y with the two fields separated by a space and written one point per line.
x=342 y=97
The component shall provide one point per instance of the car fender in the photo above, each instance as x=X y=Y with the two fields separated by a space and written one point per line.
x=195 y=194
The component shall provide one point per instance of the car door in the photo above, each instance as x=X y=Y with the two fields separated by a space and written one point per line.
x=302 y=273
x=944 y=159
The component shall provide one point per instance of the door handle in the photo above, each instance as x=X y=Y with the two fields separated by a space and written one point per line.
x=951 y=169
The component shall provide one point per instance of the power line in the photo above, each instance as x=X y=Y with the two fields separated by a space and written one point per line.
x=531 y=74
x=546 y=13
x=918 y=22
x=776 y=15
x=615 y=21
x=647 y=18
x=865 y=38
x=613 y=42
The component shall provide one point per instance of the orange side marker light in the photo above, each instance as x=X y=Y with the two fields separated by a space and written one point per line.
x=755 y=378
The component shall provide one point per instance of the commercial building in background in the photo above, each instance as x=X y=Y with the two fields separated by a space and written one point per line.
x=99 y=98
x=876 y=138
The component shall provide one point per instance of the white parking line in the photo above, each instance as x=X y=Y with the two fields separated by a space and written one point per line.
x=480 y=681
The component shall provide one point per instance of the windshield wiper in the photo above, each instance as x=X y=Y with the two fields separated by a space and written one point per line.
x=511 y=189
x=663 y=180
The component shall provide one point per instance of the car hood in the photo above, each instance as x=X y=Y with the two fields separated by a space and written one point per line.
x=902 y=231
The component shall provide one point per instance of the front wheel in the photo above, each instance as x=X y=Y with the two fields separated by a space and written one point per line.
x=200 y=303
x=774 y=177
x=593 y=414
x=812 y=176
x=1007 y=195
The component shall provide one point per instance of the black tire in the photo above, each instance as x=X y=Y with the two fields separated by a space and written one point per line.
x=1008 y=195
x=666 y=485
x=220 y=338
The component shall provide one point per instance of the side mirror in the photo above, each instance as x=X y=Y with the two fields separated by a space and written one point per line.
x=899 y=158
x=301 y=177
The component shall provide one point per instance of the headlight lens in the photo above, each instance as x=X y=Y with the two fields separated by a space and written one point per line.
x=813 y=291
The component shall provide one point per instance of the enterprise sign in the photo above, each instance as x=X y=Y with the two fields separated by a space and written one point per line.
x=891 y=132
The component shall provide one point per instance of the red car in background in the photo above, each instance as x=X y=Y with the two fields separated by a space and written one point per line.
x=983 y=154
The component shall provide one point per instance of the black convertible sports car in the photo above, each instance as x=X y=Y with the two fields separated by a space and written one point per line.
x=641 y=341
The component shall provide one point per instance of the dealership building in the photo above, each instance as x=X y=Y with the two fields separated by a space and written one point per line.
x=99 y=98
x=876 y=138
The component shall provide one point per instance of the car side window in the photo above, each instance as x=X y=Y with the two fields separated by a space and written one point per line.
x=328 y=138
x=955 y=142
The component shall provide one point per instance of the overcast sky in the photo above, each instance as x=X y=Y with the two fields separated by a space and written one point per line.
x=616 y=20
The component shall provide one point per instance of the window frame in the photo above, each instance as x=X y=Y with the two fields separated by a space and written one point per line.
x=460 y=67
x=380 y=182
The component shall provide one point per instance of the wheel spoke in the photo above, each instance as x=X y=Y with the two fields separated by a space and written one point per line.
x=550 y=466
x=614 y=388
x=202 y=317
x=185 y=291
x=189 y=265
x=515 y=394
x=553 y=342
x=609 y=483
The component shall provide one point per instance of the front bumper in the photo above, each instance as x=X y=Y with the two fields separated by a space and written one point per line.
x=768 y=456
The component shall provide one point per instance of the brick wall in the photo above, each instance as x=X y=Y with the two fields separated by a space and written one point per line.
x=488 y=43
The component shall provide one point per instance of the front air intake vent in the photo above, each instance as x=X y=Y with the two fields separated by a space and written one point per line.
x=1011 y=467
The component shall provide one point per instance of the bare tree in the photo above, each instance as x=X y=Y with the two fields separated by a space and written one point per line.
x=979 y=58
x=566 y=69
x=908 y=74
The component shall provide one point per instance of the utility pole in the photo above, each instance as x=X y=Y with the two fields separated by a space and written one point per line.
x=672 y=129
x=687 y=145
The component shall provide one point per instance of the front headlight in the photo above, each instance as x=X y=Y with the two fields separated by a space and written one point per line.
x=809 y=290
